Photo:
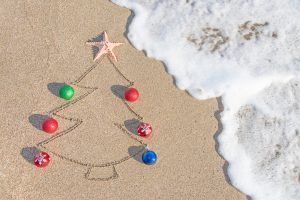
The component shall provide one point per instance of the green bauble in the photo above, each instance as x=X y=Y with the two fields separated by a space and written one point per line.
x=66 y=92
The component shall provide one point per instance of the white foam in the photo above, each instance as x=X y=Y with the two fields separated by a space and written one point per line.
x=248 y=52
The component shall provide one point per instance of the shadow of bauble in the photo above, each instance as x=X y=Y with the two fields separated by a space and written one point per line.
x=54 y=88
x=118 y=90
x=28 y=153
x=36 y=120
x=137 y=152
x=131 y=125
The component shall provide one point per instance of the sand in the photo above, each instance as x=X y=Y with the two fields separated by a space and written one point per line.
x=42 y=45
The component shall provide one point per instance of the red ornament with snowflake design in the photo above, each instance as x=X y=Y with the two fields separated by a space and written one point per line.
x=41 y=159
x=144 y=130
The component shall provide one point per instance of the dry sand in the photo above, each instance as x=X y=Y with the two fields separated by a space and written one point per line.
x=43 y=43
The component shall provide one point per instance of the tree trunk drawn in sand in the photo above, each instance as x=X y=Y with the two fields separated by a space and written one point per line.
x=119 y=135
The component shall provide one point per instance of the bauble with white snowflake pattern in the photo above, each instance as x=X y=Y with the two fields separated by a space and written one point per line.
x=41 y=159
x=144 y=130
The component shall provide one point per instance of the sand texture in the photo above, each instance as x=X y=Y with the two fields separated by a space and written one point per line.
x=43 y=46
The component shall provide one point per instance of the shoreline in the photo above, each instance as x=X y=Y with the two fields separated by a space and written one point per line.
x=217 y=113
x=185 y=128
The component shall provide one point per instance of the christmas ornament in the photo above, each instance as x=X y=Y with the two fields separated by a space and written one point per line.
x=105 y=47
x=50 y=125
x=66 y=92
x=144 y=130
x=131 y=94
x=149 y=157
x=41 y=159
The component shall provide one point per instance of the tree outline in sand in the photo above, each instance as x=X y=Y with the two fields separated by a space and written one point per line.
x=89 y=90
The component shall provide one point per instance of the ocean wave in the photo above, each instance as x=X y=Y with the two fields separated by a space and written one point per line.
x=248 y=52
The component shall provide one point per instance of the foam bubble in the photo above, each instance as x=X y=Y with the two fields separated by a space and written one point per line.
x=246 y=51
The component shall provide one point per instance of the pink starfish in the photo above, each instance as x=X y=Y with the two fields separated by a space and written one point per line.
x=105 y=47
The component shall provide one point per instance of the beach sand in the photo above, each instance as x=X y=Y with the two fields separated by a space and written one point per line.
x=43 y=44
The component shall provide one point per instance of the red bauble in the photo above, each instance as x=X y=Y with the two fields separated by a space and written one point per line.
x=50 y=125
x=41 y=159
x=144 y=130
x=131 y=94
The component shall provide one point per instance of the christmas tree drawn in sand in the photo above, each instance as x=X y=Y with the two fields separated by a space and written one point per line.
x=99 y=153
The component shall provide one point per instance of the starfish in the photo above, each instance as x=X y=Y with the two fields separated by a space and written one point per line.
x=105 y=47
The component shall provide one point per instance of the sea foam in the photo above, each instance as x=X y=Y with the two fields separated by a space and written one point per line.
x=248 y=52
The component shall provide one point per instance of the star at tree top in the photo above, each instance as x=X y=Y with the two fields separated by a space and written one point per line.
x=105 y=47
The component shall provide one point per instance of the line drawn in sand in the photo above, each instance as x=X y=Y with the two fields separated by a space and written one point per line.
x=77 y=122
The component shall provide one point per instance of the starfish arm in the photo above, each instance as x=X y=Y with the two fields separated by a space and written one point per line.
x=105 y=36
x=101 y=52
x=116 y=44
x=95 y=43
x=112 y=57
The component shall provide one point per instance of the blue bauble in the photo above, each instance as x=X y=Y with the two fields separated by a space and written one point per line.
x=149 y=157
